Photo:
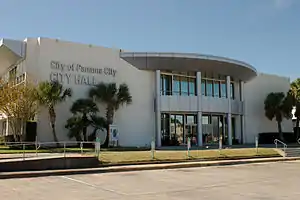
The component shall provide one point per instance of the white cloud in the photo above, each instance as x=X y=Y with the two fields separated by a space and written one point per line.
x=282 y=4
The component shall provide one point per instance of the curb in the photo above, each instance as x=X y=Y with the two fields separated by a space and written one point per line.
x=32 y=174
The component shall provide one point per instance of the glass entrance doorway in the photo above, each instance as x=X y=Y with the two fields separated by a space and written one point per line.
x=213 y=126
x=176 y=128
x=191 y=131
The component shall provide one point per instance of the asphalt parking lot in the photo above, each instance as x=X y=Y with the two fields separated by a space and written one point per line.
x=257 y=181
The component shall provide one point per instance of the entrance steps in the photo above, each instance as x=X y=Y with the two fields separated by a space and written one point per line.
x=289 y=152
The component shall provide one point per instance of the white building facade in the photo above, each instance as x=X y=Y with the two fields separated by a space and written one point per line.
x=175 y=95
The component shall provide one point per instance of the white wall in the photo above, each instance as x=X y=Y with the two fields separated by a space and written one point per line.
x=255 y=93
x=135 y=122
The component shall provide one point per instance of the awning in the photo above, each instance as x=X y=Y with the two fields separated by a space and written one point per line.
x=190 y=62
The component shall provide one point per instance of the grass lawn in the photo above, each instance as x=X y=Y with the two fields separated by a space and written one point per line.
x=135 y=156
x=140 y=156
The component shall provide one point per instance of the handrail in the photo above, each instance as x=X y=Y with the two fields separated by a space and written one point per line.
x=284 y=144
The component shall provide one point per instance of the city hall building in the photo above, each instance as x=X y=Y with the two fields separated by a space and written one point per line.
x=175 y=95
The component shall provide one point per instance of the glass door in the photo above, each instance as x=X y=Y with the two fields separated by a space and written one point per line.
x=215 y=129
x=191 y=131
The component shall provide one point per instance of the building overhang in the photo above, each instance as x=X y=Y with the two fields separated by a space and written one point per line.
x=190 y=62
x=11 y=51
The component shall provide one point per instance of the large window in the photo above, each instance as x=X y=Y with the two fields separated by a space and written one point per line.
x=216 y=88
x=223 y=89
x=203 y=87
x=183 y=84
x=166 y=84
x=209 y=88
x=192 y=86
x=176 y=85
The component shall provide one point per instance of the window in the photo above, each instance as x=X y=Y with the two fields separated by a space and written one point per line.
x=184 y=89
x=182 y=84
x=166 y=84
x=176 y=85
x=216 y=89
x=223 y=89
x=209 y=88
x=191 y=119
x=192 y=86
x=203 y=88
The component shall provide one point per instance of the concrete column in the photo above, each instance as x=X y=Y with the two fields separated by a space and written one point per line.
x=243 y=111
x=199 y=108
x=229 y=124
x=157 y=109
x=199 y=128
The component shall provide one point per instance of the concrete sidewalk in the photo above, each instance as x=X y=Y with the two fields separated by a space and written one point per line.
x=28 y=174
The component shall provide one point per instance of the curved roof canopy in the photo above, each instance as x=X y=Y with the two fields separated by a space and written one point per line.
x=190 y=62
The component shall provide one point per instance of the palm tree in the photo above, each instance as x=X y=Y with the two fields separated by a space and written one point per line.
x=49 y=95
x=77 y=126
x=113 y=97
x=84 y=108
x=295 y=94
x=278 y=106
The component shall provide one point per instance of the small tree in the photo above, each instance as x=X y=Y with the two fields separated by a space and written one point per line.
x=112 y=97
x=19 y=104
x=82 y=110
x=278 y=106
x=49 y=94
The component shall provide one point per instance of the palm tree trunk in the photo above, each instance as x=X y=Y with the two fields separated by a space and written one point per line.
x=54 y=134
x=52 y=116
x=109 y=118
x=280 y=131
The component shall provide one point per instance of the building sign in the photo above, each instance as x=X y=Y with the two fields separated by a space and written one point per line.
x=77 y=74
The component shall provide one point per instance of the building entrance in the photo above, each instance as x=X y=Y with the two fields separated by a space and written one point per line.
x=213 y=126
x=176 y=128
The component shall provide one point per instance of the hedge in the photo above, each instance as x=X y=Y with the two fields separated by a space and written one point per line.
x=269 y=137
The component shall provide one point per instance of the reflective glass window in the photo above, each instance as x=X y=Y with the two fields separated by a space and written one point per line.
x=223 y=89
x=216 y=89
x=192 y=86
x=176 y=85
x=184 y=86
x=203 y=87
x=209 y=88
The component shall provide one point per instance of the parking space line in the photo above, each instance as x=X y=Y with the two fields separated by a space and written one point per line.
x=78 y=181
x=91 y=185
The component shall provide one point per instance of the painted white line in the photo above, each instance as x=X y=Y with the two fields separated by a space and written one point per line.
x=91 y=185
x=78 y=181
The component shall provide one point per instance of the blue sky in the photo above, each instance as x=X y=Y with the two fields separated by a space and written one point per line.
x=263 y=33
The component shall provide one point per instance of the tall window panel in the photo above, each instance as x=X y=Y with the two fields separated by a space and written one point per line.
x=216 y=88
x=166 y=84
x=209 y=88
x=184 y=89
x=192 y=86
x=176 y=85
x=203 y=87
x=223 y=89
